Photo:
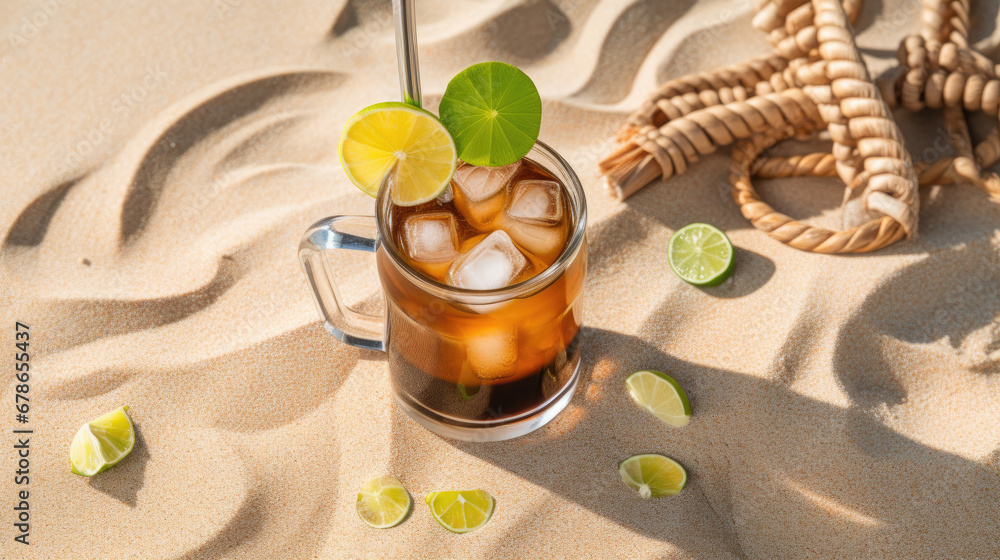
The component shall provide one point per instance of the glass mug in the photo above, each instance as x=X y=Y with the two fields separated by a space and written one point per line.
x=483 y=365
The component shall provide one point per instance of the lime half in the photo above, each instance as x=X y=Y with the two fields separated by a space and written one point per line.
x=461 y=512
x=383 y=502
x=662 y=396
x=493 y=111
x=407 y=141
x=701 y=255
x=653 y=476
x=102 y=443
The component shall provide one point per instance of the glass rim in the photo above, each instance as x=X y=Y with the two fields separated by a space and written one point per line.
x=578 y=201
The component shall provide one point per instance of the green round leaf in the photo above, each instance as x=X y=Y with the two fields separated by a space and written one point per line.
x=493 y=111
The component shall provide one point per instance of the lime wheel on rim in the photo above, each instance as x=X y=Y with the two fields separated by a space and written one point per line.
x=401 y=139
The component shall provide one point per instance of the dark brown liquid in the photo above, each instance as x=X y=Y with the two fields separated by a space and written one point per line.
x=474 y=399
x=485 y=363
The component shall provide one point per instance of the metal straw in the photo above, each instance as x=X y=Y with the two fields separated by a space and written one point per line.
x=406 y=51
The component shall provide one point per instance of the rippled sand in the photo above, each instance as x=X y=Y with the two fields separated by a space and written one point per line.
x=161 y=161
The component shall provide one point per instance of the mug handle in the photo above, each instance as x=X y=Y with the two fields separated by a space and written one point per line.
x=357 y=233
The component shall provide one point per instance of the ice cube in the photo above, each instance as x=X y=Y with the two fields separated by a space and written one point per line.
x=431 y=242
x=534 y=218
x=544 y=242
x=479 y=183
x=536 y=202
x=431 y=238
x=481 y=192
x=494 y=263
x=492 y=352
x=446 y=196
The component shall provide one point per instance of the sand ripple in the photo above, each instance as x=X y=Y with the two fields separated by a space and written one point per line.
x=843 y=406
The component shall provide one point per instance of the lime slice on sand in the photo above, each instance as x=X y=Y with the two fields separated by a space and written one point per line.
x=493 y=111
x=461 y=512
x=662 y=396
x=383 y=502
x=407 y=140
x=102 y=443
x=653 y=476
x=701 y=255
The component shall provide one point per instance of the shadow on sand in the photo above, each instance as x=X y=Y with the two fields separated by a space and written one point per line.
x=782 y=473
x=748 y=436
x=123 y=482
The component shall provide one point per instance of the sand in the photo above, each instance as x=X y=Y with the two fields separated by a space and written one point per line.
x=162 y=159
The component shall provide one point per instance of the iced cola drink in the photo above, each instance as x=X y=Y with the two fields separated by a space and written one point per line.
x=494 y=228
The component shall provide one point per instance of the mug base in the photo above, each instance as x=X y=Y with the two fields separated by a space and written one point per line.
x=495 y=430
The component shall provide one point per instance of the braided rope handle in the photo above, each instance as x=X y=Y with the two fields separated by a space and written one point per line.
x=866 y=237
x=818 y=79
x=790 y=25
x=758 y=76
x=940 y=71
x=865 y=136
x=687 y=94
x=669 y=150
